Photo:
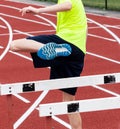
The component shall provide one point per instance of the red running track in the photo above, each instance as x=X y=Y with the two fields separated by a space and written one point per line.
x=102 y=57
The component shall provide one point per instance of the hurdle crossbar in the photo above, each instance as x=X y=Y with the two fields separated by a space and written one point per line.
x=89 y=105
x=35 y=86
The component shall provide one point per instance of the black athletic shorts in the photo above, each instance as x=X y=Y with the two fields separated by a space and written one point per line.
x=61 y=67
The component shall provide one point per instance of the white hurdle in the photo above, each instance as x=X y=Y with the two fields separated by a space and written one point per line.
x=52 y=109
x=89 y=105
x=82 y=81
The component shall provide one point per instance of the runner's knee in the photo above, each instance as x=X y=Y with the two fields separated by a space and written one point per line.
x=12 y=46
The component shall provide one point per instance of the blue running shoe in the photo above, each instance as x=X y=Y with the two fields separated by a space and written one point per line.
x=52 y=50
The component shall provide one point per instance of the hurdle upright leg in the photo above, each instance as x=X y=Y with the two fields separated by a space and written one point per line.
x=48 y=123
x=10 y=111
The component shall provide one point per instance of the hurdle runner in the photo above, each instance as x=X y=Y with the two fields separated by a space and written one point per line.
x=64 y=51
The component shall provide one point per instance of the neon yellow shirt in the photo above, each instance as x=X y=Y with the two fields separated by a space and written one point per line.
x=72 y=24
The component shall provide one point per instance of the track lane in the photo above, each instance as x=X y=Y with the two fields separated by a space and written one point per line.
x=89 y=119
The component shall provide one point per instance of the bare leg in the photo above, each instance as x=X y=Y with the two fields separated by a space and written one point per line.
x=47 y=52
x=75 y=119
x=25 y=45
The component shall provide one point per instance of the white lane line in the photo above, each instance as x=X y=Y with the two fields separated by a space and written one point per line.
x=21 y=55
x=105 y=90
x=4 y=27
x=32 y=32
x=48 y=14
x=60 y=121
x=107 y=30
x=111 y=26
x=24 y=19
x=94 y=27
x=18 y=32
x=110 y=17
x=106 y=25
x=45 y=19
x=8 y=6
x=18 y=54
x=21 y=98
x=24 y=33
x=10 y=38
x=101 y=37
x=103 y=57
x=1 y=47
x=12 y=7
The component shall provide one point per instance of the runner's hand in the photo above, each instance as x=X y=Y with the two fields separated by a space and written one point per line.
x=28 y=9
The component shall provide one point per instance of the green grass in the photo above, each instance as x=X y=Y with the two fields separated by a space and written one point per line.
x=111 y=4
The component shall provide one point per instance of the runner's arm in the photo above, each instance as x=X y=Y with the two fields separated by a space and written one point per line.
x=53 y=8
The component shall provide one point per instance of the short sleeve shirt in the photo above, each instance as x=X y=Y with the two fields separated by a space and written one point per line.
x=72 y=24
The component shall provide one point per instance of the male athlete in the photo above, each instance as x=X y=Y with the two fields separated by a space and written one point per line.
x=64 y=51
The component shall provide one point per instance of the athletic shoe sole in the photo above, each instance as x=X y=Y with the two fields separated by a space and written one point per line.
x=52 y=50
